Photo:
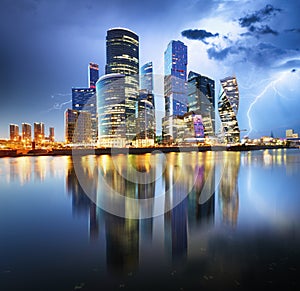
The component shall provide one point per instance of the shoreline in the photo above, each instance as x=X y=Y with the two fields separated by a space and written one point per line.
x=137 y=151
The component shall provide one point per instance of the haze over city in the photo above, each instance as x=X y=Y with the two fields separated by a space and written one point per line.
x=47 y=47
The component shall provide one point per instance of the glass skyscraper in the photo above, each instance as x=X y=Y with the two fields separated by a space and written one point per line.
x=93 y=74
x=147 y=77
x=201 y=100
x=84 y=99
x=14 y=132
x=122 y=58
x=39 y=131
x=175 y=87
x=111 y=110
x=26 y=132
x=228 y=108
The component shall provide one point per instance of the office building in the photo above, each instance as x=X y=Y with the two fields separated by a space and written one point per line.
x=111 y=110
x=122 y=58
x=51 y=134
x=228 y=108
x=78 y=127
x=147 y=77
x=146 y=119
x=39 y=132
x=14 y=132
x=175 y=87
x=84 y=99
x=201 y=100
x=93 y=75
x=26 y=132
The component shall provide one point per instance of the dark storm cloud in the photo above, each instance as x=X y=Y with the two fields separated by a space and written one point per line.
x=297 y=30
x=290 y=64
x=198 y=34
x=264 y=29
x=220 y=54
x=258 y=16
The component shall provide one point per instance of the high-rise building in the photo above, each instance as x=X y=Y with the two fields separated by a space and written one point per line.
x=147 y=77
x=201 y=100
x=78 y=127
x=26 y=132
x=93 y=74
x=14 y=132
x=146 y=119
x=175 y=86
x=122 y=57
x=228 y=108
x=111 y=110
x=84 y=99
x=39 y=132
x=51 y=134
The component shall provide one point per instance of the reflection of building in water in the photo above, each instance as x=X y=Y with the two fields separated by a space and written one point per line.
x=202 y=197
x=81 y=203
x=176 y=189
x=228 y=189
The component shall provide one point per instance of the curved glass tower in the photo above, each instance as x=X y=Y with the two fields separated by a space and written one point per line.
x=111 y=110
x=228 y=107
x=122 y=57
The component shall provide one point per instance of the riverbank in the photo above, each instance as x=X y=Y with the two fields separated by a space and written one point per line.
x=135 y=151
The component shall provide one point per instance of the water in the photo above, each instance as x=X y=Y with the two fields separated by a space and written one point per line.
x=180 y=221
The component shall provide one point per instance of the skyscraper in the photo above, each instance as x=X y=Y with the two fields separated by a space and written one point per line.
x=77 y=126
x=93 y=74
x=122 y=57
x=39 y=132
x=175 y=91
x=228 y=107
x=14 y=132
x=51 y=134
x=147 y=77
x=26 y=132
x=84 y=99
x=201 y=100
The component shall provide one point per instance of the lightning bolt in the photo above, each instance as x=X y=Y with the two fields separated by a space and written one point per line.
x=271 y=85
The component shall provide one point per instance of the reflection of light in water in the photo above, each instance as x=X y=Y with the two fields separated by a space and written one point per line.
x=23 y=169
x=267 y=157
x=40 y=167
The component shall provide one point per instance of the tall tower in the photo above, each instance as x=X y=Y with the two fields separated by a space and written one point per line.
x=39 y=131
x=14 y=132
x=201 y=100
x=122 y=57
x=26 y=132
x=175 y=87
x=147 y=77
x=228 y=108
x=93 y=74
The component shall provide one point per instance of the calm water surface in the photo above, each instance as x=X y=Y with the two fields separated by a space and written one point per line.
x=207 y=221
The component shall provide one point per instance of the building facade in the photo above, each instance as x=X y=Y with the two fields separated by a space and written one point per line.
x=147 y=77
x=26 y=132
x=175 y=86
x=201 y=100
x=39 y=132
x=228 y=108
x=14 y=134
x=84 y=99
x=145 y=119
x=93 y=75
x=111 y=110
x=78 y=127
x=122 y=57
x=51 y=134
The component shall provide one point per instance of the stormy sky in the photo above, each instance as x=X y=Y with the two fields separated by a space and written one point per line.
x=46 y=47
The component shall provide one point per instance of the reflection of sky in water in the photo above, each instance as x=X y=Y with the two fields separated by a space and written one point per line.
x=49 y=226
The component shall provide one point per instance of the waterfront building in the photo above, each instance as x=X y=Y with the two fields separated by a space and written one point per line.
x=26 y=132
x=201 y=100
x=78 y=127
x=39 y=132
x=111 y=110
x=147 y=77
x=93 y=75
x=175 y=86
x=14 y=132
x=84 y=99
x=146 y=119
x=228 y=108
x=51 y=134
x=122 y=59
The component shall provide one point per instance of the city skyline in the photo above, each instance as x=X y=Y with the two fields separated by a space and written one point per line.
x=267 y=70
